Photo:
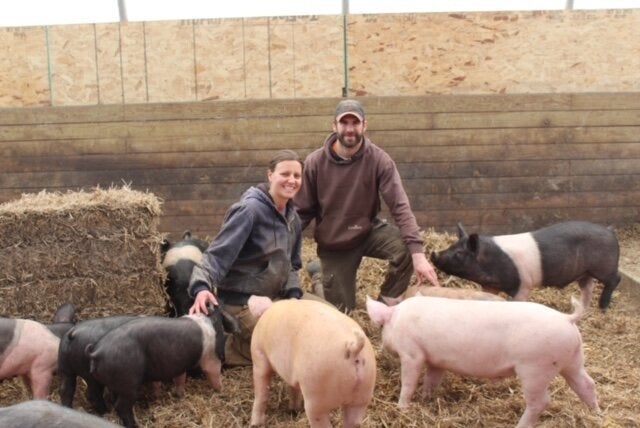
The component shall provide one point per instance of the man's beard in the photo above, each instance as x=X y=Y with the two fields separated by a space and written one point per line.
x=350 y=144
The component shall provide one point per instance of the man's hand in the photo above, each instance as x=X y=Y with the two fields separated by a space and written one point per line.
x=200 y=304
x=423 y=269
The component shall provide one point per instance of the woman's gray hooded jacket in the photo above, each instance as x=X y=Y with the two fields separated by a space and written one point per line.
x=257 y=251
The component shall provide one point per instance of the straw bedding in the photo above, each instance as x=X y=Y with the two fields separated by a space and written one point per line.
x=611 y=343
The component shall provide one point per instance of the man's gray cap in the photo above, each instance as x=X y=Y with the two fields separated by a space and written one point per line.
x=349 y=107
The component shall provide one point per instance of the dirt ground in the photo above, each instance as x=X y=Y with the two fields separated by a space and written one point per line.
x=612 y=353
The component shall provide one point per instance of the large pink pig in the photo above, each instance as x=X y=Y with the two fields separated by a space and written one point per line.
x=322 y=354
x=486 y=339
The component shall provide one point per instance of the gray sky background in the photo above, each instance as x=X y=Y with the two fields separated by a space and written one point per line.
x=20 y=13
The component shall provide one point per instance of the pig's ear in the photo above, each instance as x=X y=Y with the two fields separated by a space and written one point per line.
x=186 y=234
x=473 y=243
x=461 y=232
x=65 y=313
x=164 y=246
x=378 y=311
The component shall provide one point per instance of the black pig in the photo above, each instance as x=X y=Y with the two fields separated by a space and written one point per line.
x=178 y=259
x=73 y=362
x=554 y=256
x=153 y=349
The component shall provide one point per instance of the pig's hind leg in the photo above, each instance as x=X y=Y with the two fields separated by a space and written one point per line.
x=296 y=400
x=410 y=368
x=583 y=385
x=262 y=372
x=610 y=283
x=432 y=379
x=353 y=415
x=586 y=285
x=536 y=396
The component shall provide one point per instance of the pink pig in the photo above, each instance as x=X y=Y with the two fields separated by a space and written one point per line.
x=486 y=339
x=322 y=354
x=28 y=349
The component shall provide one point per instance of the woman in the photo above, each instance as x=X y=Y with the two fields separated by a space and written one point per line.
x=255 y=257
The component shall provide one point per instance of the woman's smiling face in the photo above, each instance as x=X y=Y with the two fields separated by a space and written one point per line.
x=285 y=181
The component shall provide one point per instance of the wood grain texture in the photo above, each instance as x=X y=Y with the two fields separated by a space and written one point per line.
x=498 y=163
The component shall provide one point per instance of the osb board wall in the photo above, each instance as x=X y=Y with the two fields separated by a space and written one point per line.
x=498 y=163
x=300 y=57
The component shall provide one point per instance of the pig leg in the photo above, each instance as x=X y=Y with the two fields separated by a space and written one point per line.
x=410 y=368
x=212 y=369
x=353 y=415
x=536 y=396
x=40 y=384
x=432 y=378
x=95 y=396
x=318 y=417
x=583 y=385
x=610 y=284
x=262 y=373
x=295 y=399
x=124 y=408
x=586 y=290
x=67 y=389
x=178 y=384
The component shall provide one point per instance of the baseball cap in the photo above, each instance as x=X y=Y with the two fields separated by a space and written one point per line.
x=349 y=107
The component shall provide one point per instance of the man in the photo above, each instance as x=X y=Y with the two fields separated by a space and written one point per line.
x=341 y=188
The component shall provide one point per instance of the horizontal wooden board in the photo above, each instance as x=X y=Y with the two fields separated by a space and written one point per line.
x=495 y=162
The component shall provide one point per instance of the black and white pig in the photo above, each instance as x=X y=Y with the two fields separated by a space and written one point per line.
x=178 y=259
x=45 y=414
x=553 y=256
x=157 y=349
x=30 y=349
x=73 y=362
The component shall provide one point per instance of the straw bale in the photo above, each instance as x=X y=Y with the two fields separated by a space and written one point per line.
x=612 y=353
x=97 y=249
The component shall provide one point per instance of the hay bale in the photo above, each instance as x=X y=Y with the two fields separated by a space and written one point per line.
x=97 y=249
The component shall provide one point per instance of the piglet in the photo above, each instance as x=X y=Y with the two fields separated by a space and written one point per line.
x=552 y=256
x=178 y=260
x=152 y=349
x=45 y=414
x=322 y=354
x=486 y=339
x=73 y=362
x=30 y=349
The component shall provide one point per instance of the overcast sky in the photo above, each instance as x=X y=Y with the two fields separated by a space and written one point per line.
x=20 y=13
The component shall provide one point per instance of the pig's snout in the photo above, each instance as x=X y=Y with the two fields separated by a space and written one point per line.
x=434 y=256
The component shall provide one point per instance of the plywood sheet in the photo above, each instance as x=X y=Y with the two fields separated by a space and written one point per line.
x=512 y=52
x=134 y=71
x=24 y=71
x=169 y=52
x=73 y=65
x=109 y=58
x=220 y=59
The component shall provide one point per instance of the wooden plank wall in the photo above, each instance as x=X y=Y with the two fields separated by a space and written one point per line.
x=498 y=163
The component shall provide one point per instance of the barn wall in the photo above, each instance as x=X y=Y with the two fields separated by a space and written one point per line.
x=301 y=57
x=498 y=163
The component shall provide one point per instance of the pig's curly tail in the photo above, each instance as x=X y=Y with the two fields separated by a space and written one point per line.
x=353 y=348
x=578 y=310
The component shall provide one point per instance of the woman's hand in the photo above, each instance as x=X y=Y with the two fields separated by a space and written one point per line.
x=200 y=304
